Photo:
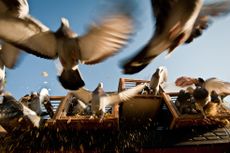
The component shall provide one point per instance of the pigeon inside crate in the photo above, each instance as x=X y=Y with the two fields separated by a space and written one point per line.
x=140 y=110
x=195 y=119
x=65 y=120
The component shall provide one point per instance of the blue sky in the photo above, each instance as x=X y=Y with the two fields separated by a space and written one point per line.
x=206 y=57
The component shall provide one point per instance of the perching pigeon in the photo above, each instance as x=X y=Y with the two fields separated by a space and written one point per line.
x=202 y=98
x=45 y=100
x=100 y=100
x=177 y=22
x=101 y=41
x=158 y=78
x=12 y=113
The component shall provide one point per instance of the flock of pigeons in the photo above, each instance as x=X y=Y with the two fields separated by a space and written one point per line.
x=177 y=22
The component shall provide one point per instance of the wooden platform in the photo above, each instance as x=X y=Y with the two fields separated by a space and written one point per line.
x=182 y=120
x=63 y=122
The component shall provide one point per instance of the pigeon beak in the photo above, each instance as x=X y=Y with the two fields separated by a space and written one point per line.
x=71 y=79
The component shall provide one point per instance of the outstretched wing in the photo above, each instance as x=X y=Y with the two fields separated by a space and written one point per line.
x=29 y=35
x=207 y=13
x=120 y=97
x=105 y=39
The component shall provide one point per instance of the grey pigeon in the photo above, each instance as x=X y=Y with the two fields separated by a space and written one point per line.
x=177 y=22
x=202 y=98
x=102 y=40
x=12 y=113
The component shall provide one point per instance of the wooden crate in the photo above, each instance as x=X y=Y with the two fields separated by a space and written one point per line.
x=63 y=122
x=182 y=120
x=140 y=110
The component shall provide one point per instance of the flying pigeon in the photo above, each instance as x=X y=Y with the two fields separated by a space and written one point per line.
x=221 y=88
x=100 y=100
x=102 y=40
x=177 y=22
x=158 y=78
x=12 y=112
x=9 y=54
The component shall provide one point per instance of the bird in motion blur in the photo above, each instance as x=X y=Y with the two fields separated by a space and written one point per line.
x=9 y=54
x=177 y=22
x=220 y=87
x=103 y=39
x=98 y=99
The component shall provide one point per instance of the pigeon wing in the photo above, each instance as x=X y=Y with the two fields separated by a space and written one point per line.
x=83 y=94
x=105 y=39
x=207 y=13
x=28 y=35
x=120 y=97
x=9 y=55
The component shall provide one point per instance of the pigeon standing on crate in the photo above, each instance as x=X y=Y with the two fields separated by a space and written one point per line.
x=45 y=100
x=222 y=88
x=12 y=113
x=99 y=100
x=103 y=39
x=177 y=22
x=202 y=98
x=158 y=78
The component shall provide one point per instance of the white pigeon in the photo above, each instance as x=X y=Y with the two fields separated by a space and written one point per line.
x=45 y=100
x=99 y=100
x=12 y=112
x=158 y=78
x=102 y=40
x=177 y=22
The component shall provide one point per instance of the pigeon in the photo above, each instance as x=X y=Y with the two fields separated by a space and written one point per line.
x=34 y=101
x=100 y=99
x=9 y=54
x=12 y=113
x=103 y=39
x=202 y=98
x=177 y=23
x=185 y=102
x=45 y=100
x=221 y=88
x=158 y=78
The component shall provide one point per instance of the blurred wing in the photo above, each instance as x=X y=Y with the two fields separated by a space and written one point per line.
x=206 y=15
x=161 y=11
x=9 y=55
x=105 y=39
x=28 y=35
x=83 y=95
x=220 y=86
x=120 y=97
